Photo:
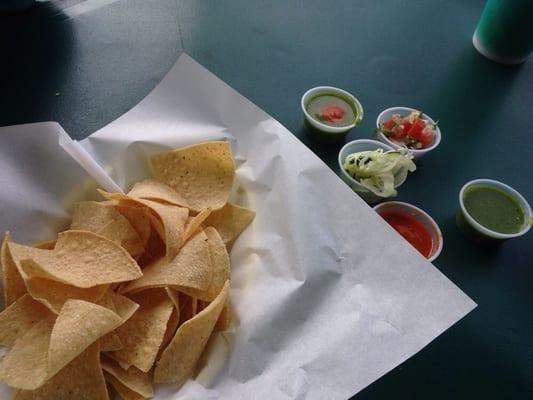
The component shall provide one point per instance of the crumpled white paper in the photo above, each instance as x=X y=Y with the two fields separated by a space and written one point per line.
x=328 y=298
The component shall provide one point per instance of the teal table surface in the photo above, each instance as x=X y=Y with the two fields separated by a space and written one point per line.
x=84 y=63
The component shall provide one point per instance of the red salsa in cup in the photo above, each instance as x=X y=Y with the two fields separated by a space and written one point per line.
x=411 y=229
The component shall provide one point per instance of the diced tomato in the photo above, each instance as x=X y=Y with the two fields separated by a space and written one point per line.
x=406 y=126
x=398 y=133
x=425 y=138
x=416 y=129
x=389 y=124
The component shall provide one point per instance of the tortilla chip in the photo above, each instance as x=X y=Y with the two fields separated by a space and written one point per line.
x=134 y=379
x=202 y=174
x=54 y=294
x=19 y=317
x=157 y=191
x=143 y=333
x=121 y=389
x=45 y=245
x=20 y=252
x=26 y=365
x=154 y=250
x=14 y=287
x=172 y=326
x=82 y=259
x=137 y=216
x=78 y=325
x=221 y=268
x=82 y=378
x=179 y=359
x=168 y=220
x=194 y=223
x=174 y=295
x=230 y=221
x=124 y=307
x=123 y=364
x=188 y=307
x=224 y=320
x=192 y=267
x=111 y=342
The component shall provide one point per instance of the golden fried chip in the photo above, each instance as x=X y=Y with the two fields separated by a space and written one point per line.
x=179 y=359
x=45 y=245
x=221 y=268
x=137 y=216
x=168 y=220
x=202 y=174
x=154 y=190
x=172 y=326
x=230 y=221
x=133 y=378
x=194 y=223
x=82 y=378
x=143 y=333
x=123 y=364
x=192 y=267
x=224 y=321
x=82 y=259
x=188 y=307
x=19 y=317
x=105 y=220
x=26 y=365
x=174 y=295
x=121 y=389
x=14 y=287
x=124 y=307
x=54 y=294
x=78 y=325
x=111 y=342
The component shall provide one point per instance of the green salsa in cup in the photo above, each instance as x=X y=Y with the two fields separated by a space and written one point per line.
x=492 y=210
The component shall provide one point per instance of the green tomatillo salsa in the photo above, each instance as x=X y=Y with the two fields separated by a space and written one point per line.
x=332 y=110
x=494 y=209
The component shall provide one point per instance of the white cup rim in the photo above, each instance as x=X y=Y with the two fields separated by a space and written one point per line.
x=329 y=128
x=505 y=188
x=415 y=152
x=424 y=214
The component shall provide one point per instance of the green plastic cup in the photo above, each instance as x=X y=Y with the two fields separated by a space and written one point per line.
x=504 y=33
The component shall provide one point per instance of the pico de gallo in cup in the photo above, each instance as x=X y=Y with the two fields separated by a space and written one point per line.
x=403 y=127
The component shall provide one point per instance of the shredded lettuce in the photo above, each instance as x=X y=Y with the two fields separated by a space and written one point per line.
x=378 y=171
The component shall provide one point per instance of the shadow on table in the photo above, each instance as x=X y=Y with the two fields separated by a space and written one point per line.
x=37 y=48
x=472 y=93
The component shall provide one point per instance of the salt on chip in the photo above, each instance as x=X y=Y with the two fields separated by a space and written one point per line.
x=143 y=333
x=121 y=389
x=26 y=365
x=169 y=220
x=192 y=267
x=14 y=286
x=194 y=223
x=154 y=190
x=54 y=294
x=221 y=267
x=178 y=361
x=78 y=325
x=230 y=221
x=19 y=317
x=202 y=174
x=133 y=378
x=83 y=259
x=82 y=378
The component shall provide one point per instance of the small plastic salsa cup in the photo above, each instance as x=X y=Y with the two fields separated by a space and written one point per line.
x=414 y=225
x=486 y=204
x=329 y=125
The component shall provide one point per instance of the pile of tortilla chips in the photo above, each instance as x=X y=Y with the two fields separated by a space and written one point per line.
x=131 y=293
